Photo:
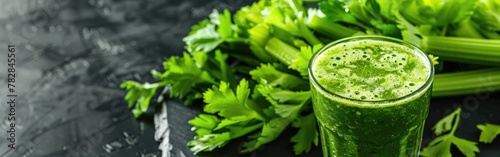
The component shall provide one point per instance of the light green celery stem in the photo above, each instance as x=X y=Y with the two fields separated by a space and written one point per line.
x=282 y=51
x=258 y=37
x=465 y=50
x=328 y=28
x=287 y=37
x=307 y=34
x=259 y=34
x=282 y=34
x=464 y=73
x=297 y=6
x=468 y=82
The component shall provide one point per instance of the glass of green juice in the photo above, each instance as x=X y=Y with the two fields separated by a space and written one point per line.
x=371 y=96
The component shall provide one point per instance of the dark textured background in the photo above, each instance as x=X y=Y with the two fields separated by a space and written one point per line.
x=72 y=56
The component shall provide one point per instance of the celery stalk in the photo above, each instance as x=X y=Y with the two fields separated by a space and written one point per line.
x=328 y=28
x=282 y=51
x=465 y=50
x=307 y=34
x=469 y=82
x=452 y=75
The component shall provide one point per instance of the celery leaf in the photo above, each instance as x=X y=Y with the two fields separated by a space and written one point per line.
x=286 y=103
x=270 y=131
x=440 y=146
x=445 y=124
x=301 y=64
x=226 y=103
x=139 y=95
x=307 y=135
x=185 y=74
x=270 y=75
x=488 y=132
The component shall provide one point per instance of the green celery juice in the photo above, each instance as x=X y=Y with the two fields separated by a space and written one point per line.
x=371 y=97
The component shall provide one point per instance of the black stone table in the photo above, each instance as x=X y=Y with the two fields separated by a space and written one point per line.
x=71 y=57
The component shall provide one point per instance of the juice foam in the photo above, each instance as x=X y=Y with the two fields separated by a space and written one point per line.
x=370 y=70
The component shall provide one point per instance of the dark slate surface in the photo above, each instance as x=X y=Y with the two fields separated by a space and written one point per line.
x=72 y=56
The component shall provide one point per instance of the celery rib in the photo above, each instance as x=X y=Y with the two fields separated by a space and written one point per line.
x=282 y=51
x=461 y=40
x=437 y=94
x=468 y=82
x=328 y=28
x=467 y=58
x=467 y=75
x=465 y=50
x=452 y=75
x=307 y=34
x=462 y=86
x=471 y=48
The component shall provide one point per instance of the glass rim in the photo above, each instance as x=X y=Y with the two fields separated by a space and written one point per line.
x=414 y=49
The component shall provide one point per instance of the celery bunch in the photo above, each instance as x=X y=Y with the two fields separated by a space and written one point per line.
x=250 y=67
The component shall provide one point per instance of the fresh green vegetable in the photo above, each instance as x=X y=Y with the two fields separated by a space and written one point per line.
x=488 y=132
x=318 y=22
x=440 y=146
x=451 y=16
x=250 y=67
x=468 y=82
x=139 y=95
x=465 y=50
x=282 y=51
